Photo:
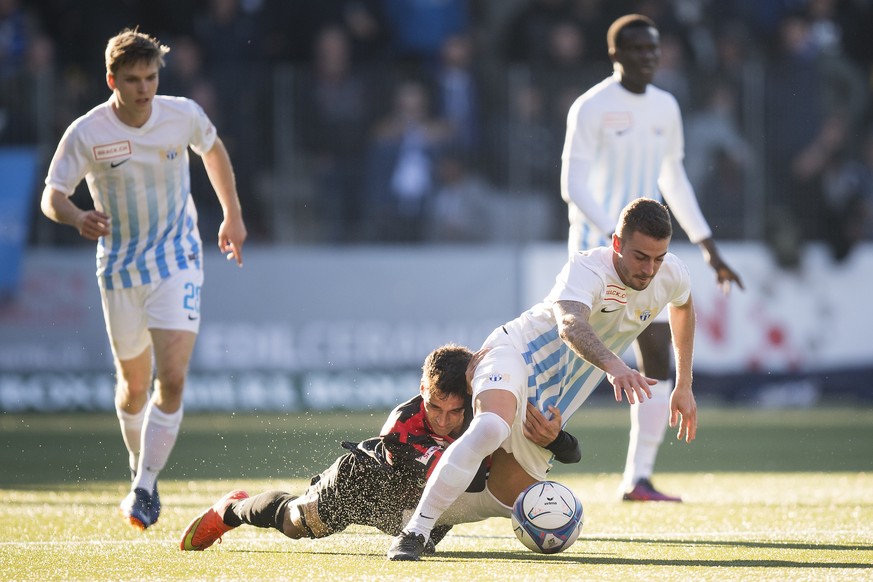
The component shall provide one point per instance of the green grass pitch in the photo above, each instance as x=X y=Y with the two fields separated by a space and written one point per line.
x=769 y=495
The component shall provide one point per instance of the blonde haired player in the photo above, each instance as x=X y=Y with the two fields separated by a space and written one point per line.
x=132 y=151
x=624 y=140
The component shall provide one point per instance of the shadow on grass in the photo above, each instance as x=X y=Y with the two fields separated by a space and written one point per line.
x=741 y=544
x=705 y=542
x=529 y=558
x=603 y=559
x=525 y=557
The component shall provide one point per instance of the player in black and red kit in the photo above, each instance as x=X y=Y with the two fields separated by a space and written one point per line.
x=379 y=480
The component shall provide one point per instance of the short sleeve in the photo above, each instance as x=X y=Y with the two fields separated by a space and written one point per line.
x=203 y=133
x=69 y=164
x=577 y=282
x=683 y=284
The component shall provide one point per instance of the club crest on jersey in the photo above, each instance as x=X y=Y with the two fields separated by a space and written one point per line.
x=645 y=315
x=495 y=377
x=171 y=153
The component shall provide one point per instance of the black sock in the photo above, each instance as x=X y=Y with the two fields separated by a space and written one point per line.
x=264 y=510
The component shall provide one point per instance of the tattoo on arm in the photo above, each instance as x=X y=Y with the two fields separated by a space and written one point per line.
x=577 y=333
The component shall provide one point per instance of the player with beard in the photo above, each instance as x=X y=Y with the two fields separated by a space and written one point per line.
x=553 y=356
x=381 y=479
x=624 y=140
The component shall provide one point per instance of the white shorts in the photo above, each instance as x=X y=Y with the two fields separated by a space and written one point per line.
x=172 y=303
x=503 y=368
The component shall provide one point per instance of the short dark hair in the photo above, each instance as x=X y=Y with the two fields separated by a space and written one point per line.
x=646 y=216
x=613 y=35
x=131 y=46
x=444 y=370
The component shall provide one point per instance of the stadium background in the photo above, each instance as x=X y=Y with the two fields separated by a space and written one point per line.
x=346 y=285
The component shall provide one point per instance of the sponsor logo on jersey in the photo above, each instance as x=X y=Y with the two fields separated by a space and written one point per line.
x=108 y=151
x=619 y=120
x=607 y=310
x=440 y=440
x=615 y=294
x=424 y=458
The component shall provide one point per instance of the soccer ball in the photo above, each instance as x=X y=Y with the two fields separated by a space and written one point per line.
x=547 y=517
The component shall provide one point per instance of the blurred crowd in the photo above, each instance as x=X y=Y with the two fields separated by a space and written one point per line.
x=443 y=120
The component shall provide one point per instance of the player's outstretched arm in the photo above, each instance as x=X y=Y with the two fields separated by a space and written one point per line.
x=683 y=413
x=232 y=232
x=575 y=331
x=683 y=407
x=723 y=272
x=679 y=195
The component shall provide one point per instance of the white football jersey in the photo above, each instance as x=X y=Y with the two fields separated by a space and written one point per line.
x=140 y=177
x=556 y=375
x=626 y=137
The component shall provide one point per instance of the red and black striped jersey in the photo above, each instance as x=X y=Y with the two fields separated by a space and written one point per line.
x=409 y=444
x=408 y=435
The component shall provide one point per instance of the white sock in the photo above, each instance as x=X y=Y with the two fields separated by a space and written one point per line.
x=131 y=432
x=456 y=469
x=470 y=507
x=648 y=422
x=158 y=437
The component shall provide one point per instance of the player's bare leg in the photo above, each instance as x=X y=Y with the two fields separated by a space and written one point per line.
x=164 y=412
x=133 y=380
x=163 y=417
x=302 y=519
x=173 y=349
x=507 y=479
